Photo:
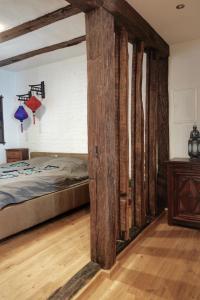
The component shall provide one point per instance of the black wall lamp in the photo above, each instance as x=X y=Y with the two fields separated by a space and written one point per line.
x=39 y=89
x=24 y=97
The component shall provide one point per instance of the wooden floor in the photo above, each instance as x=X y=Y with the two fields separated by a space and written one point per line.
x=164 y=264
x=36 y=263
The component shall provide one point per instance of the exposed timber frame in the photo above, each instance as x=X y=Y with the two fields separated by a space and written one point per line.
x=27 y=27
x=102 y=135
x=151 y=149
x=163 y=133
x=123 y=134
x=43 y=50
x=137 y=27
x=138 y=158
x=110 y=24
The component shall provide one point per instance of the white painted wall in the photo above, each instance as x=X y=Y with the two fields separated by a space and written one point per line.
x=184 y=89
x=61 y=123
x=7 y=89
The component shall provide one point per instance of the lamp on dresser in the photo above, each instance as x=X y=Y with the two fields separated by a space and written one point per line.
x=194 y=143
x=17 y=154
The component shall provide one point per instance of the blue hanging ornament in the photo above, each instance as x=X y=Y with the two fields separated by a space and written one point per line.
x=21 y=115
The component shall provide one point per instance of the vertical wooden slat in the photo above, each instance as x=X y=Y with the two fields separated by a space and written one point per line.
x=123 y=109
x=163 y=133
x=147 y=128
x=133 y=115
x=123 y=132
x=151 y=133
x=102 y=132
x=138 y=136
x=117 y=80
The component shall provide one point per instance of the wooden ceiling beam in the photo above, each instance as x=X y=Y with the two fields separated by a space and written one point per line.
x=38 y=23
x=86 y=5
x=47 y=49
x=138 y=28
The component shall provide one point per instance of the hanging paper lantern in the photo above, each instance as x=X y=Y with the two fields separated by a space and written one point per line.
x=21 y=115
x=33 y=103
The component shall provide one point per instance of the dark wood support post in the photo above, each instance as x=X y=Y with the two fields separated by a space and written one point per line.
x=137 y=140
x=123 y=113
x=124 y=134
x=117 y=89
x=102 y=132
x=151 y=132
x=163 y=133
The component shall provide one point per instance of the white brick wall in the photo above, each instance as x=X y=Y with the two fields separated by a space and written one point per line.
x=63 y=118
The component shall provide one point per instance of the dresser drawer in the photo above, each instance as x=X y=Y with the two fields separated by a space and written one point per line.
x=11 y=160
x=14 y=155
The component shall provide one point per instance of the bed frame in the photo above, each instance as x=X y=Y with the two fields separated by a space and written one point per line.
x=18 y=217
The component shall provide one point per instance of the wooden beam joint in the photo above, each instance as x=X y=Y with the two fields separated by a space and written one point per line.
x=137 y=27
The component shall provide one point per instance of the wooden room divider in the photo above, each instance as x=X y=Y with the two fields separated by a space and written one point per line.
x=123 y=200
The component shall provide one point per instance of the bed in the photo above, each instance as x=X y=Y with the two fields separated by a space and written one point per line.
x=41 y=188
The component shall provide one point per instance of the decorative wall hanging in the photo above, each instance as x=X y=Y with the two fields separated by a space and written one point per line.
x=33 y=103
x=21 y=115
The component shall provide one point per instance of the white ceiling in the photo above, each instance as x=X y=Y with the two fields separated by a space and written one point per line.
x=14 y=12
x=173 y=25
x=57 y=32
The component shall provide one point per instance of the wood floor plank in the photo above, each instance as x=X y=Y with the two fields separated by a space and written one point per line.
x=36 y=263
x=162 y=265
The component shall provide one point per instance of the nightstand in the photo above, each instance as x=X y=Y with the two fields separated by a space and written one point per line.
x=13 y=155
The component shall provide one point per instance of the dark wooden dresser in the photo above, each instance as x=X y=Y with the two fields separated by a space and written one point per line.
x=13 y=155
x=184 y=192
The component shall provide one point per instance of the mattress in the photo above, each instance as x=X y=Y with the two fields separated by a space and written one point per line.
x=25 y=180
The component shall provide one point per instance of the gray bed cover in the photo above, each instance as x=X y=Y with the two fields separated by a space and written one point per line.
x=26 y=180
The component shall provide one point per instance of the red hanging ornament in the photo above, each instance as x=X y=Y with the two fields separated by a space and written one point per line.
x=33 y=103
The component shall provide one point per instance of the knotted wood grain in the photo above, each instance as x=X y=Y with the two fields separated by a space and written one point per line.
x=137 y=137
x=151 y=133
x=102 y=133
x=163 y=133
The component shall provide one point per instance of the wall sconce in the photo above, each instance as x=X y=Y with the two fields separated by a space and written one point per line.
x=24 y=97
x=39 y=89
